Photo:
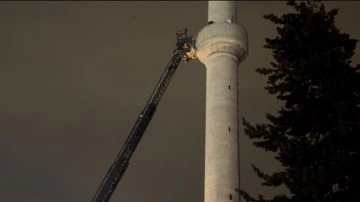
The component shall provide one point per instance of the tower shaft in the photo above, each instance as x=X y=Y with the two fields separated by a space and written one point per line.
x=221 y=46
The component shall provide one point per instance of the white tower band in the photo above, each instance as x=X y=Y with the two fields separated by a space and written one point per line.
x=221 y=46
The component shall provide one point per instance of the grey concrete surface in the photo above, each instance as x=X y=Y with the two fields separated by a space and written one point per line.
x=221 y=47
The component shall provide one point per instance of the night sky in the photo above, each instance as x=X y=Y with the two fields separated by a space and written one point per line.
x=74 y=77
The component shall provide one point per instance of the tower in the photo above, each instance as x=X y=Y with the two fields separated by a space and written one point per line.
x=221 y=46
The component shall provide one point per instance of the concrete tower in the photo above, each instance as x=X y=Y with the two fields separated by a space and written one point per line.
x=221 y=46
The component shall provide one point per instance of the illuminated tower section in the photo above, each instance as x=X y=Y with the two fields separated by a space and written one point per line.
x=221 y=46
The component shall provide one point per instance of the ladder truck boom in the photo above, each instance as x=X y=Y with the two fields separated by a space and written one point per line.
x=185 y=51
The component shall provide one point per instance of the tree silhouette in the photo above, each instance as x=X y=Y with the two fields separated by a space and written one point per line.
x=315 y=135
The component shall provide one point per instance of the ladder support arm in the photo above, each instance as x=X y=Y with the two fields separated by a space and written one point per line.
x=121 y=162
x=185 y=45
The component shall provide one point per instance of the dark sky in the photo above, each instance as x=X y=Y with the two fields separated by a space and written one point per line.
x=74 y=76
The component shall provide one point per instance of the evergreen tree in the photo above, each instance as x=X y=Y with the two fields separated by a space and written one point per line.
x=315 y=135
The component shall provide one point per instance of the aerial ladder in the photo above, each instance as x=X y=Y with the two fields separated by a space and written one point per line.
x=185 y=50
